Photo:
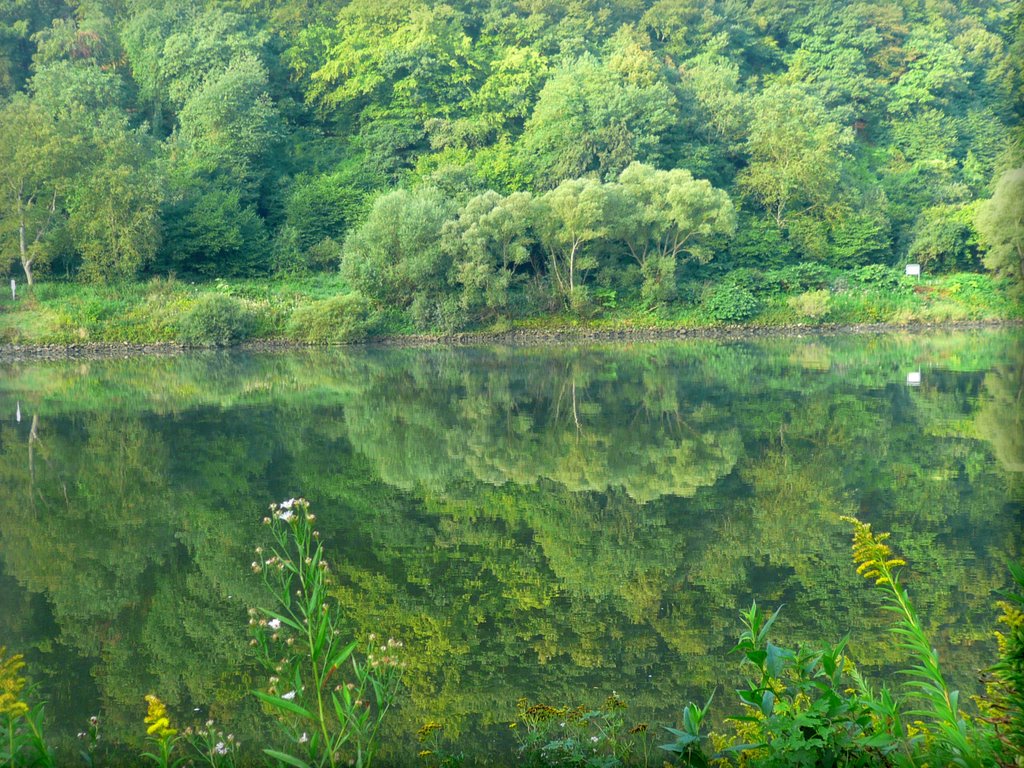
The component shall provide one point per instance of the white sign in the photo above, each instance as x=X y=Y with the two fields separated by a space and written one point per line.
x=914 y=270
x=914 y=379
x=14 y=290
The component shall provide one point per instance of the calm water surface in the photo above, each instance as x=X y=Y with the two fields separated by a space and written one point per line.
x=550 y=523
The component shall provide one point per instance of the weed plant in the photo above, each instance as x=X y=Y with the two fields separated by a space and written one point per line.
x=329 y=700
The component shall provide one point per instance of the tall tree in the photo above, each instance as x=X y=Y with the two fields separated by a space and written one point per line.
x=34 y=177
x=114 y=214
x=570 y=218
x=1000 y=222
x=489 y=240
x=665 y=215
x=796 y=150
x=598 y=116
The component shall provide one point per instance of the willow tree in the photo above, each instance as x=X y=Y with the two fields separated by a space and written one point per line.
x=665 y=217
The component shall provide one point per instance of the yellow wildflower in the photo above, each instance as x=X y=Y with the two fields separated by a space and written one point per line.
x=11 y=684
x=156 y=719
x=428 y=728
x=872 y=554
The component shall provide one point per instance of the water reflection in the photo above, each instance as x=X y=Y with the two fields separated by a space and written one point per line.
x=554 y=523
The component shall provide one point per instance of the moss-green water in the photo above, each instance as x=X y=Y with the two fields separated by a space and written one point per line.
x=554 y=523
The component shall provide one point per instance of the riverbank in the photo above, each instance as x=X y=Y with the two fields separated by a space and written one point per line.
x=167 y=316
x=514 y=338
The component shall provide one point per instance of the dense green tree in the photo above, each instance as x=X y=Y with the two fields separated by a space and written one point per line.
x=489 y=241
x=395 y=256
x=945 y=239
x=20 y=20
x=34 y=169
x=1000 y=222
x=599 y=116
x=570 y=218
x=850 y=126
x=228 y=126
x=210 y=232
x=327 y=205
x=114 y=215
x=667 y=217
x=796 y=153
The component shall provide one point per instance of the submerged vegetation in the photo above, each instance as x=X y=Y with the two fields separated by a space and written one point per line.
x=808 y=706
x=464 y=165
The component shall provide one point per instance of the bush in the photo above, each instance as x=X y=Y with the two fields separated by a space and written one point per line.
x=810 y=304
x=216 y=320
x=730 y=304
x=878 y=275
x=806 y=276
x=345 y=319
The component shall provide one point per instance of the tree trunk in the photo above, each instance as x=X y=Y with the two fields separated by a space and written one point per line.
x=26 y=262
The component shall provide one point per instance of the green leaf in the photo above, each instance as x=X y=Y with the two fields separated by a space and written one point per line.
x=286 y=758
x=283 y=704
x=343 y=654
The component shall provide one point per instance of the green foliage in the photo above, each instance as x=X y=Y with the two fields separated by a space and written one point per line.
x=213 y=233
x=327 y=205
x=665 y=217
x=599 y=116
x=216 y=320
x=569 y=219
x=730 y=303
x=878 y=275
x=395 y=256
x=114 y=218
x=577 y=737
x=330 y=714
x=250 y=132
x=945 y=240
x=1000 y=223
x=1006 y=689
x=34 y=167
x=489 y=241
x=346 y=318
x=811 y=304
x=797 y=151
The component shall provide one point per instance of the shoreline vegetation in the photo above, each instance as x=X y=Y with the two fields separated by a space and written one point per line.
x=167 y=315
x=335 y=171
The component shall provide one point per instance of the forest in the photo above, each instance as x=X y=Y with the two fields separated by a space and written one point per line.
x=462 y=162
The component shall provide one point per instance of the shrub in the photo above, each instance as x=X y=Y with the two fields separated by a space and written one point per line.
x=877 y=275
x=730 y=304
x=217 y=320
x=806 y=276
x=346 y=318
x=810 y=304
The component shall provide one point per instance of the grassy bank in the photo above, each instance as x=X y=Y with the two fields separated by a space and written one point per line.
x=322 y=309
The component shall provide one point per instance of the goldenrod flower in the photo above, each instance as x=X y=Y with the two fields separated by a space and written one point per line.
x=872 y=554
x=156 y=719
x=427 y=728
x=11 y=684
